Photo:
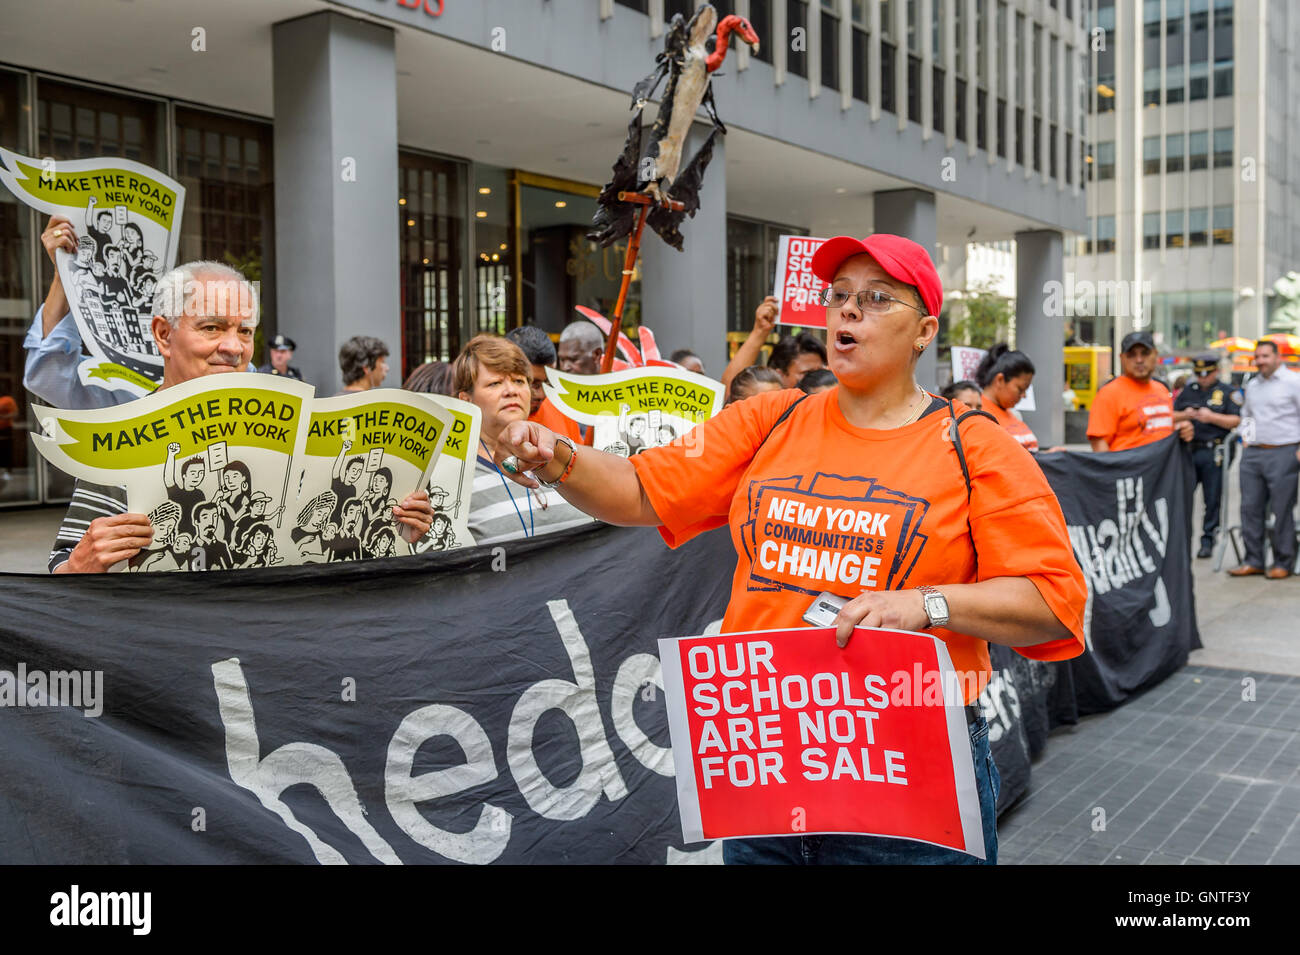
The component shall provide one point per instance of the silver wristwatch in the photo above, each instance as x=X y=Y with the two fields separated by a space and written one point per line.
x=936 y=606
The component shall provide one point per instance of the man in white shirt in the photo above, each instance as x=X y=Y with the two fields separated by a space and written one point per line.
x=1270 y=430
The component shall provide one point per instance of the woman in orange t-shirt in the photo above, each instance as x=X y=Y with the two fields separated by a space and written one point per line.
x=880 y=445
x=1005 y=375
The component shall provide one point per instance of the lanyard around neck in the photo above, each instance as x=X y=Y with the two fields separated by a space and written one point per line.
x=529 y=528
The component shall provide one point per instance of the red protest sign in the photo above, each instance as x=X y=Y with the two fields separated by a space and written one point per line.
x=796 y=286
x=779 y=732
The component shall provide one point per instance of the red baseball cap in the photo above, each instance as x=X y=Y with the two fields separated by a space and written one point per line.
x=902 y=259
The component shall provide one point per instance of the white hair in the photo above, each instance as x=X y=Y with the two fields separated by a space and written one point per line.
x=225 y=292
x=585 y=333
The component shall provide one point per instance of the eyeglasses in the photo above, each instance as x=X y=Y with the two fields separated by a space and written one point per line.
x=869 y=300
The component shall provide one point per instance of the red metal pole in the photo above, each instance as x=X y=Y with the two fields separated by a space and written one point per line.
x=629 y=262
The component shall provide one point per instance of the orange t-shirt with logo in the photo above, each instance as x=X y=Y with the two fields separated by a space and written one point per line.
x=1013 y=425
x=822 y=505
x=1127 y=414
x=550 y=417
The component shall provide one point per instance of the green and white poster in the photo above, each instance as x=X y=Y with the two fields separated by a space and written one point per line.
x=365 y=452
x=127 y=219
x=452 y=479
x=638 y=408
x=213 y=463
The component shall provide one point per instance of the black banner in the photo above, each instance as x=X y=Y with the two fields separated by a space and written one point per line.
x=1130 y=519
x=489 y=705
x=497 y=704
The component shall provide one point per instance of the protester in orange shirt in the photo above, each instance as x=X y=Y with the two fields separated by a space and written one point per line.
x=1134 y=409
x=858 y=491
x=1004 y=375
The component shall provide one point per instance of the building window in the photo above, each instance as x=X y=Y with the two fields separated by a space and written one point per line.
x=887 y=98
x=1222 y=79
x=1174 y=237
x=830 y=44
x=1223 y=147
x=1151 y=87
x=796 y=18
x=1151 y=155
x=1020 y=136
x=1174 y=152
x=861 y=64
x=1223 y=225
x=760 y=18
x=1151 y=230
x=1105 y=165
x=936 y=99
x=751 y=269
x=1198 y=147
x=225 y=164
x=981 y=119
x=430 y=250
x=960 y=107
x=1069 y=157
x=1000 y=133
x=638 y=5
x=1105 y=233
x=19 y=463
x=1174 y=83
x=1198 y=221
x=914 y=88
x=1198 y=81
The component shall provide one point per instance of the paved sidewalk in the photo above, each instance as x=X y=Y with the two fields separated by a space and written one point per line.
x=1192 y=772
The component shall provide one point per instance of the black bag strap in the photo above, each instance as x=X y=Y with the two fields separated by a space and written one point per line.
x=955 y=435
x=784 y=414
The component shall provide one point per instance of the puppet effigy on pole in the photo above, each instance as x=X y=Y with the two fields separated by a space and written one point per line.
x=646 y=186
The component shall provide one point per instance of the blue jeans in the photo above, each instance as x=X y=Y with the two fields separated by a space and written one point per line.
x=881 y=850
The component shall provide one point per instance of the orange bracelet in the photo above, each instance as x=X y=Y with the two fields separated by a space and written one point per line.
x=564 y=474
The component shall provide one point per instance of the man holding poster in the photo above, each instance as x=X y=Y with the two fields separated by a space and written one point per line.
x=872 y=495
x=201 y=329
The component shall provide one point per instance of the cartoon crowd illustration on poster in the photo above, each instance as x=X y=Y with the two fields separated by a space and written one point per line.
x=637 y=408
x=127 y=217
x=364 y=453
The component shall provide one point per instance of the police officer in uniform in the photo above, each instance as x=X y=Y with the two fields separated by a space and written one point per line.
x=1214 y=410
x=282 y=349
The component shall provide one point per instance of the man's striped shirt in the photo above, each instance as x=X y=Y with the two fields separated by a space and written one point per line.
x=89 y=501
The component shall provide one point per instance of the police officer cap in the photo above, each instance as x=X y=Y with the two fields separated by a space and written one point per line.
x=283 y=341
x=1204 y=363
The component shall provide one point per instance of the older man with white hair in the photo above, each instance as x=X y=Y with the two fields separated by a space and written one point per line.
x=53 y=343
x=204 y=319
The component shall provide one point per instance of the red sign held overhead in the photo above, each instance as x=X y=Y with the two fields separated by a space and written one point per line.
x=780 y=732
x=796 y=286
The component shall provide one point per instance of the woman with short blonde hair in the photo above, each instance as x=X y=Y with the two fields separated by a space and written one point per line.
x=494 y=374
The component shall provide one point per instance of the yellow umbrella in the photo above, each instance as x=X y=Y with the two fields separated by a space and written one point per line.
x=1233 y=344
x=1286 y=344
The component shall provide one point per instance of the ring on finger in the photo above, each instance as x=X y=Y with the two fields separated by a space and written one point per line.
x=511 y=464
x=58 y=233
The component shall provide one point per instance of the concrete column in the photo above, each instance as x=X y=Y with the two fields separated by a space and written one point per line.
x=1041 y=336
x=335 y=101
x=684 y=294
x=910 y=213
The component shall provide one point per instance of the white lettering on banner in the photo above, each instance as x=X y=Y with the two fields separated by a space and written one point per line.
x=633 y=673
x=577 y=701
x=487 y=840
x=1112 y=553
x=291 y=764
x=317 y=766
